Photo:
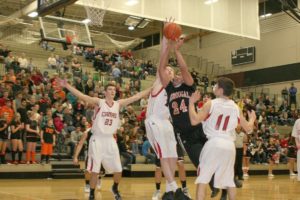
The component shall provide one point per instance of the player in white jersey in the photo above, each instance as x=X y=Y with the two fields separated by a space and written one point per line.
x=296 y=134
x=220 y=117
x=160 y=133
x=103 y=149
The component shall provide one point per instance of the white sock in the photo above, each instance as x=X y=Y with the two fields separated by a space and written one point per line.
x=171 y=186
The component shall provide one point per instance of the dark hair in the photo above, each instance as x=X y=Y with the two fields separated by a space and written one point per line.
x=109 y=85
x=227 y=85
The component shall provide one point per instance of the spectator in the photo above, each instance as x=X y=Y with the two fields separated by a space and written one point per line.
x=293 y=93
x=31 y=137
x=7 y=111
x=146 y=151
x=206 y=82
x=48 y=141
x=285 y=93
x=116 y=74
x=239 y=144
x=273 y=155
x=23 y=61
x=17 y=128
x=52 y=62
x=3 y=139
x=75 y=138
x=124 y=149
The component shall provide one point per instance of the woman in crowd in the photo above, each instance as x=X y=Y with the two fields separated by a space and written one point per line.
x=32 y=136
x=17 y=128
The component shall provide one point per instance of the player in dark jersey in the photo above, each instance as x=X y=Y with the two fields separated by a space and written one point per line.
x=179 y=90
x=86 y=137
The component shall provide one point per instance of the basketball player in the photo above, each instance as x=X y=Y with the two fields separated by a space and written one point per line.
x=103 y=148
x=161 y=135
x=219 y=117
x=179 y=90
x=296 y=134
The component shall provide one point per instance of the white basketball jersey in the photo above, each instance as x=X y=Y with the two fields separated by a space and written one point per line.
x=223 y=118
x=157 y=105
x=107 y=119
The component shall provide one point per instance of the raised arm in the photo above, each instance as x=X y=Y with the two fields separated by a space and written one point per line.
x=87 y=99
x=197 y=118
x=125 y=102
x=248 y=125
x=186 y=75
x=163 y=62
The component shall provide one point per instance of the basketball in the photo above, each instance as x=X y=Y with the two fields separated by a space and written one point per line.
x=172 y=31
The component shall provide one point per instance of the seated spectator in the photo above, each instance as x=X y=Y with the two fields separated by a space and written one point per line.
x=127 y=154
x=75 y=138
x=146 y=151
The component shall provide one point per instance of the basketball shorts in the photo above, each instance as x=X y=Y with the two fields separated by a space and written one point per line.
x=161 y=136
x=217 y=158
x=180 y=153
x=103 y=150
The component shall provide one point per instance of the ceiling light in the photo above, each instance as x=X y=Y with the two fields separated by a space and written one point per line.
x=33 y=14
x=208 y=2
x=131 y=2
x=266 y=15
x=131 y=28
x=86 y=21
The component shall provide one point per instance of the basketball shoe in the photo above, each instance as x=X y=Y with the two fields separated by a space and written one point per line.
x=116 y=194
x=87 y=188
x=168 y=196
x=156 y=195
x=186 y=192
x=179 y=195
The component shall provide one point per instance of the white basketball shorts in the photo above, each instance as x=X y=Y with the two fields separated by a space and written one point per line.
x=104 y=151
x=217 y=158
x=161 y=136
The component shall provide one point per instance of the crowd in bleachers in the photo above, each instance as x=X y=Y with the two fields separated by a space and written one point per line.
x=32 y=96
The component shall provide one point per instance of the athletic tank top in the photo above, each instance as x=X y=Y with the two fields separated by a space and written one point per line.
x=157 y=105
x=222 y=120
x=107 y=119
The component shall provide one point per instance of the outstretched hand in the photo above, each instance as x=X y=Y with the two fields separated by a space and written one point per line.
x=195 y=97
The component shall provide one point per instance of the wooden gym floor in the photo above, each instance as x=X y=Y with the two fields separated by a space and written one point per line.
x=255 y=188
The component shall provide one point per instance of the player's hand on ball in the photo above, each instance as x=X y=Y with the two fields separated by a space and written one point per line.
x=195 y=97
x=75 y=161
